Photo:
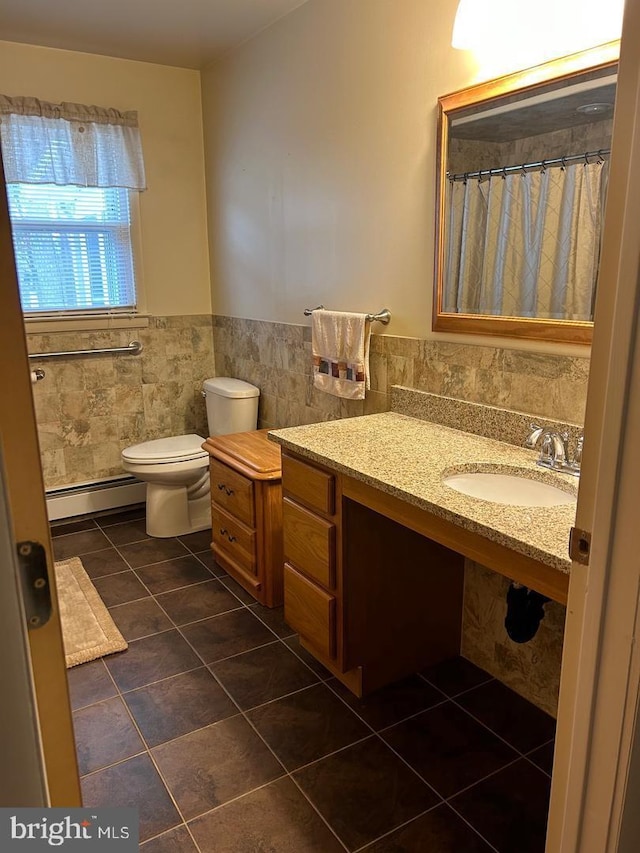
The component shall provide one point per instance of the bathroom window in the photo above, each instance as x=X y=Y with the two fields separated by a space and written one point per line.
x=73 y=248
x=73 y=174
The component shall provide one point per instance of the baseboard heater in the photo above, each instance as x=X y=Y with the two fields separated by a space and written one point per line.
x=82 y=498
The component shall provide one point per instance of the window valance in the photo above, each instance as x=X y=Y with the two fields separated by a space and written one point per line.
x=89 y=146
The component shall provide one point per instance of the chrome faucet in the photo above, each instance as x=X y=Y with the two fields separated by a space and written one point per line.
x=554 y=449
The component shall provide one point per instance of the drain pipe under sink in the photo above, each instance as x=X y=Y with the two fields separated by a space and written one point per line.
x=525 y=612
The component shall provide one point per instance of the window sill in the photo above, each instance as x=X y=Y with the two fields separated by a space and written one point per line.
x=87 y=324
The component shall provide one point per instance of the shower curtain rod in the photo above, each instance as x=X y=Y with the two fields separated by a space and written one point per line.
x=540 y=164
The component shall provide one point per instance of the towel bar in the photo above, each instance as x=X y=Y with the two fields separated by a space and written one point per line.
x=383 y=316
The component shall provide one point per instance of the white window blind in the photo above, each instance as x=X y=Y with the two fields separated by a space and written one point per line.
x=73 y=248
x=69 y=170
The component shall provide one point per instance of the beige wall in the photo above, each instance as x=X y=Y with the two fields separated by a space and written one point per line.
x=320 y=146
x=173 y=209
x=320 y=141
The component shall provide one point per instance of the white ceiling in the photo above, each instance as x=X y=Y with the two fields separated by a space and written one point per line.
x=186 y=33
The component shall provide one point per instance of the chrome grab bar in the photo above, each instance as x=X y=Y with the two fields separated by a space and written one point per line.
x=133 y=348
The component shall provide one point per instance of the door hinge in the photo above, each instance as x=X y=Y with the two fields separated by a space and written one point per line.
x=580 y=545
x=34 y=578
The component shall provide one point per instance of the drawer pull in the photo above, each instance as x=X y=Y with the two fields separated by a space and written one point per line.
x=233 y=492
x=225 y=532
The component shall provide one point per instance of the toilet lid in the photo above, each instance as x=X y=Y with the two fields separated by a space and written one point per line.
x=177 y=448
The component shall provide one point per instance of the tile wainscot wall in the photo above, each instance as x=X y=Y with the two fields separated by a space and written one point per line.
x=89 y=408
x=277 y=358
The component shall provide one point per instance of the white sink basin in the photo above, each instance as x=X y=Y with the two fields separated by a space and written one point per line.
x=508 y=489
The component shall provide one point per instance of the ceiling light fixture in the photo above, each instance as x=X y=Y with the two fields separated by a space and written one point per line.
x=592 y=109
x=465 y=25
x=489 y=29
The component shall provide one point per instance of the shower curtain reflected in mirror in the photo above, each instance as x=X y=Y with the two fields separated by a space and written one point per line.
x=525 y=244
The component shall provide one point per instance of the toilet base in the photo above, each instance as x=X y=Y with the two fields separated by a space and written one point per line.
x=171 y=513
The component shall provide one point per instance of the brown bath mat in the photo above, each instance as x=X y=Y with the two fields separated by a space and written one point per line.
x=88 y=631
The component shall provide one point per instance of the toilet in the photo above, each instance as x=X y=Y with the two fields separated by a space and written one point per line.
x=176 y=469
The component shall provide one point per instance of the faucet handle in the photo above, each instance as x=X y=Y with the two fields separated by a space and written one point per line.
x=577 y=457
x=573 y=466
x=534 y=435
x=562 y=449
x=547 y=451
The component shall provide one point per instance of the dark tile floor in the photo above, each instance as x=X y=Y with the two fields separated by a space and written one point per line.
x=230 y=738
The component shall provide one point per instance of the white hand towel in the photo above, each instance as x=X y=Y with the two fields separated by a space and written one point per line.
x=340 y=348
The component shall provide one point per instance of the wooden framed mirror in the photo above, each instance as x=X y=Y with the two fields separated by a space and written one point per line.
x=521 y=181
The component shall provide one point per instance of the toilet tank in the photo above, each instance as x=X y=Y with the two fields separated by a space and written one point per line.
x=232 y=405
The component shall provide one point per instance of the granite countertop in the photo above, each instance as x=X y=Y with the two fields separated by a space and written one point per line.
x=408 y=458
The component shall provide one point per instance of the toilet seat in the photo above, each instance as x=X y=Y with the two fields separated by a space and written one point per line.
x=177 y=448
x=176 y=469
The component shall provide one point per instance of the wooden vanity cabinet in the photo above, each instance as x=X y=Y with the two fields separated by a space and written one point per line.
x=370 y=598
x=312 y=584
x=246 y=511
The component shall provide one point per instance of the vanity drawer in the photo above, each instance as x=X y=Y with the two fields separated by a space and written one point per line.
x=233 y=492
x=233 y=538
x=310 y=611
x=313 y=487
x=309 y=542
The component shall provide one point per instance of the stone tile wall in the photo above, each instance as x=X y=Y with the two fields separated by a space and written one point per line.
x=277 y=358
x=531 y=669
x=89 y=408
x=468 y=155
